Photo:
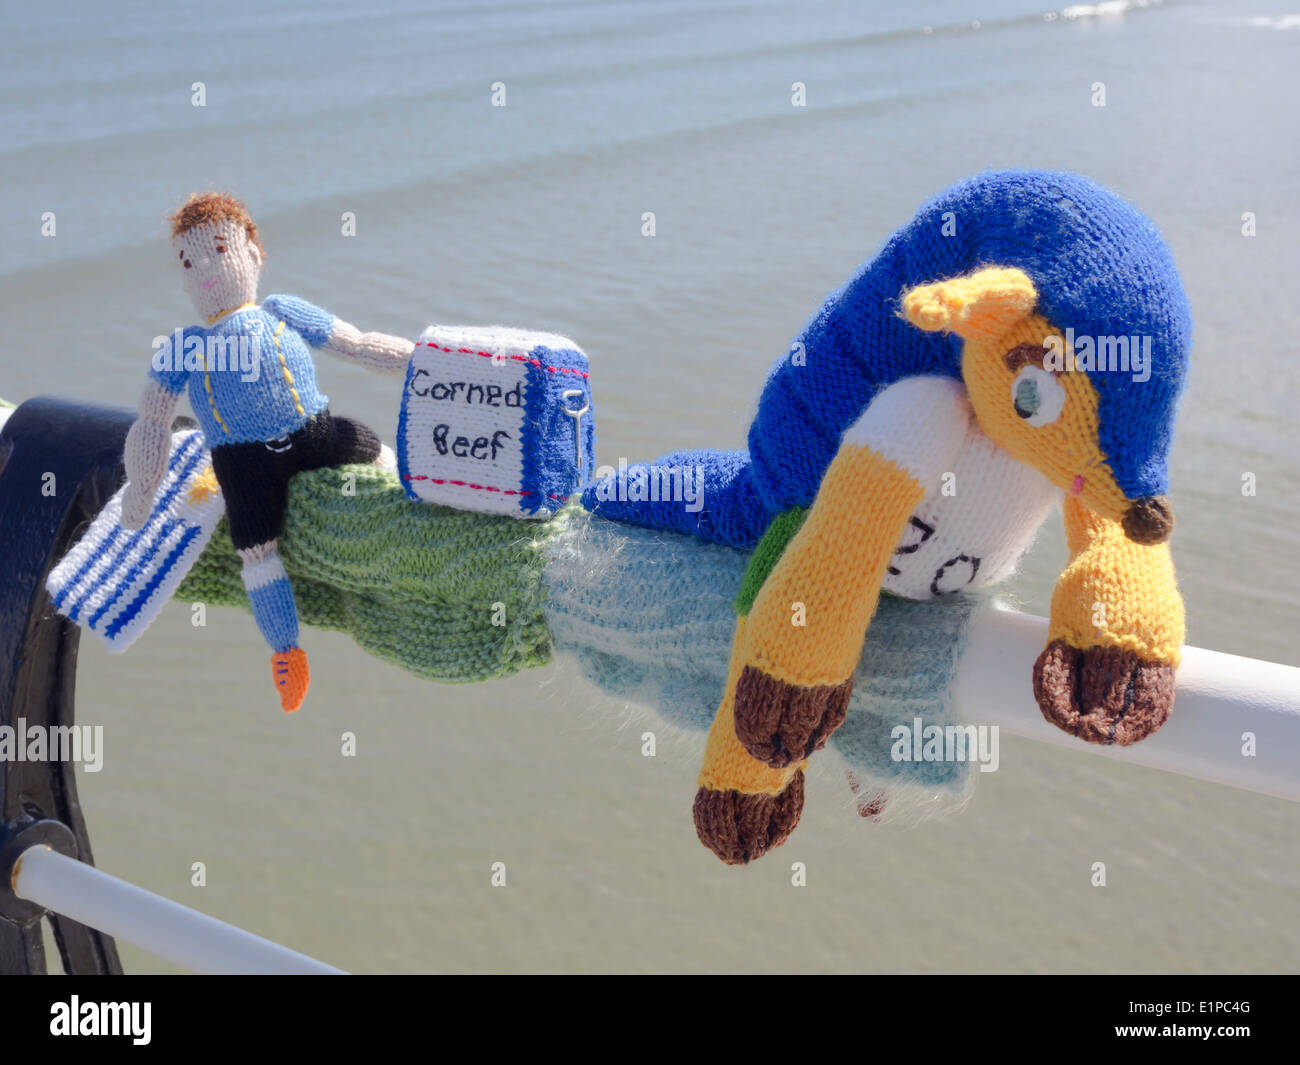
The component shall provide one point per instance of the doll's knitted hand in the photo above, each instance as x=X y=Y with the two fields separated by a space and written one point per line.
x=147 y=446
x=1107 y=673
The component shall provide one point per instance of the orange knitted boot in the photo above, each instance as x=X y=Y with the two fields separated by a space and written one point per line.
x=291 y=676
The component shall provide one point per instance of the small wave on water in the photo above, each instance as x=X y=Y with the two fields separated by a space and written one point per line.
x=1276 y=22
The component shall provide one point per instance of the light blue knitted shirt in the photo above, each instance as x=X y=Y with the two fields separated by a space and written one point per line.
x=250 y=376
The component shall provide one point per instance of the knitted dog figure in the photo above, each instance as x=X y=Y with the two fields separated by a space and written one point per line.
x=252 y=385
x=1024 y=337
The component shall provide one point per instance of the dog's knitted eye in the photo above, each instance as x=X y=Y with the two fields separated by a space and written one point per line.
x=1037 y=395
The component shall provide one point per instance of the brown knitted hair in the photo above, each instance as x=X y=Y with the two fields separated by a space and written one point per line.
x=205 y=208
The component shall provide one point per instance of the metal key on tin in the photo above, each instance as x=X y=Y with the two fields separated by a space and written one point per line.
x=576 y=414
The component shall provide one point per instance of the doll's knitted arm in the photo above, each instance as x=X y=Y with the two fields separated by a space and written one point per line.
x=1107 y=673
x=375 y=351
x=805 y=605
x=148 y=444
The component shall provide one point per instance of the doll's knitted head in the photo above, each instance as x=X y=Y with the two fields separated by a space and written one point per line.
x=218 y=251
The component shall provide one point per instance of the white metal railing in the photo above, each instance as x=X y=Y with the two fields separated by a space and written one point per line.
x=153 y=923
x=1220 y=698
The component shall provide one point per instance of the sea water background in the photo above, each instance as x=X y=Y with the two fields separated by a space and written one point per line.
x=531 y=215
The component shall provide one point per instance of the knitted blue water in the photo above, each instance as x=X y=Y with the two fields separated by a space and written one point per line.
x=649 y=617
x=1101 y=269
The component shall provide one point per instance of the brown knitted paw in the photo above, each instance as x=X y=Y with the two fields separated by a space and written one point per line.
x=1102 y=694
x=781 y=724
x=739 y=827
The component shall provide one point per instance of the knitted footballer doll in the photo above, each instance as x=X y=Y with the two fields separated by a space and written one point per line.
x=252 y=385
x=1024 y=337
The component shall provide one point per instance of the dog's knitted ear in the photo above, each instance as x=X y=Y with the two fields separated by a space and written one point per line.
x=982 y=305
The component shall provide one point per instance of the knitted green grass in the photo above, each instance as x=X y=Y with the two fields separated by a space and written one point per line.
x=447 y=594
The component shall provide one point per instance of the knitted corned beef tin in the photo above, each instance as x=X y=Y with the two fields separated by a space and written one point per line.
x=496 y=420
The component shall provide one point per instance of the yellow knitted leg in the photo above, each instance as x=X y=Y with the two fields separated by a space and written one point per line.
x=805 y=629
x=1107 y=673
x=742 y=807
x=727 y=765
x=794 y=653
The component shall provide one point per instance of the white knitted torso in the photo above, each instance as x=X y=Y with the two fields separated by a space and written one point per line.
x=982 y=508
x=977 y=535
